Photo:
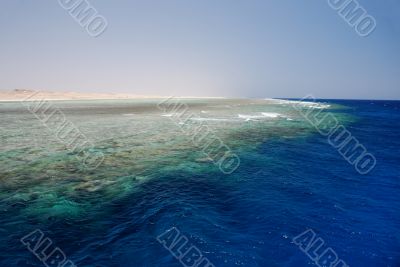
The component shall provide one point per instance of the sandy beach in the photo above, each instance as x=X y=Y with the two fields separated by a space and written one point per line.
x=21 y=94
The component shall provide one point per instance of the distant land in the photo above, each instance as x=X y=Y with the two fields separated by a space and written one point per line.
x=21 y=94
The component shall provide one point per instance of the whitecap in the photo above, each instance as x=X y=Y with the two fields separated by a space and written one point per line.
x=250 y=117
x=263 y=115
x=209 y=119
x=306 y=104
x=271 y=114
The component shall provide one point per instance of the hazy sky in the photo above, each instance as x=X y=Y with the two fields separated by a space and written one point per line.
x=248 y=48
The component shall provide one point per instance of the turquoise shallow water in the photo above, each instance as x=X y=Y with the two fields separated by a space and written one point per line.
x=154 y=177
x=135 y=137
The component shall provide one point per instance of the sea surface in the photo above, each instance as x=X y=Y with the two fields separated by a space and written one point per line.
x=155 y=177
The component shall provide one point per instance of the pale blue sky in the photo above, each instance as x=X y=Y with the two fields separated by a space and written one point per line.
x=253 y=48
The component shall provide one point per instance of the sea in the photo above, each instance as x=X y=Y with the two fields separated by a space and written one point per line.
x=131 y=183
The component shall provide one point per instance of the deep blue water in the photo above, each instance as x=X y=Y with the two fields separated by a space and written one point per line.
x=250 y=217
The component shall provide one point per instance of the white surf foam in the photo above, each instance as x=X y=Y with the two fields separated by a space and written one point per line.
x=271 y=114
x=306 y=104
x=262 y=115
x=209 y=119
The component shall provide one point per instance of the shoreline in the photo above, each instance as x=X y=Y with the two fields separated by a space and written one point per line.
x=30 y=95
